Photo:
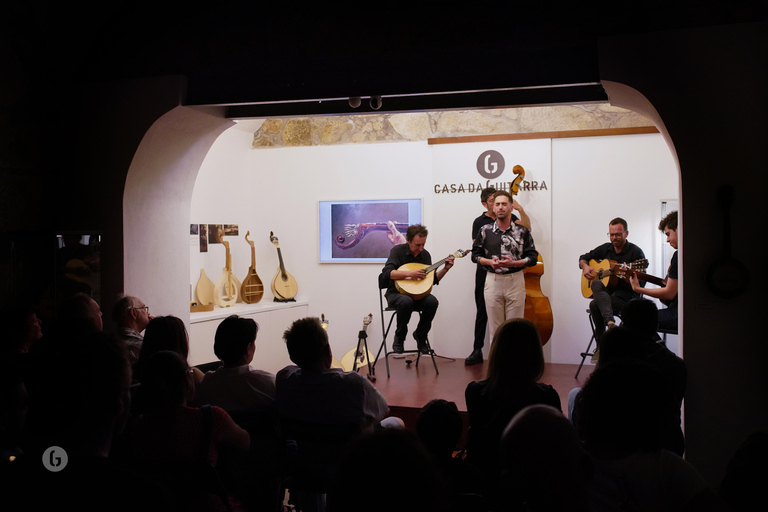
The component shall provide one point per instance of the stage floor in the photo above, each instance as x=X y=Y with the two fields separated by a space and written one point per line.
x=409 y=388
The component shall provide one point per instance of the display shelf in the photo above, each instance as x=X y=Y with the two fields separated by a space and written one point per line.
x=243 y=309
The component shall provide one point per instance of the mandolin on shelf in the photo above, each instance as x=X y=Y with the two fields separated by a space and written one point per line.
x=228 y=288
x=252 y=288
x=284 y=286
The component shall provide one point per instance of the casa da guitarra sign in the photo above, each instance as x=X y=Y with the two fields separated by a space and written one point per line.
x=490 y=165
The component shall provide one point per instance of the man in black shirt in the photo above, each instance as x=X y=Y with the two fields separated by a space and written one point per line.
x=411 y=252
x=608 y=302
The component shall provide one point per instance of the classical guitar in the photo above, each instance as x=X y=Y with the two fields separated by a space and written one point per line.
x=227 y=289
x=420 y=288
x=252 y=288
x=284 y=286
x=606 y=272
x=625 y=273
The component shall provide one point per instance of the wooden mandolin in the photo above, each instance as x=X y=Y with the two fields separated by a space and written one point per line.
x=252 y=288
x=420 y=288
x=284 y=286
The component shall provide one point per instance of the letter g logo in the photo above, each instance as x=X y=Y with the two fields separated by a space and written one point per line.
x=490 y=164
x=55 y=459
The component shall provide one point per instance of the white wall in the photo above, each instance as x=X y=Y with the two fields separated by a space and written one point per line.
x=592 y=180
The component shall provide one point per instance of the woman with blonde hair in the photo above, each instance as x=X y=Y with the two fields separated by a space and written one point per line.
x=515 y=365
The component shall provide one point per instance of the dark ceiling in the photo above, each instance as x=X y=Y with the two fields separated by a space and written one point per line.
x=280 y=58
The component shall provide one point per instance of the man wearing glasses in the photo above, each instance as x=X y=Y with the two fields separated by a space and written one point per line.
x=608 y=302
x=131 y=317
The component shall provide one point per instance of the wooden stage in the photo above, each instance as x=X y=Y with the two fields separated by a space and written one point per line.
x=409 y=388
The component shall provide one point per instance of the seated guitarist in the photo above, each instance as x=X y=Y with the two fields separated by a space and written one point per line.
x=668 y=293
x=411 y=252
x=608 y=302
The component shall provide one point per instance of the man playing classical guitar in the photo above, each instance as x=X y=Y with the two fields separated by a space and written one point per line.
x=504 y=248
x=481 y=318
x=411 y=252
x=606 y=302
x=667 y=293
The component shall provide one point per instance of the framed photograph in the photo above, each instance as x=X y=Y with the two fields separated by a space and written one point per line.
x=364 y=231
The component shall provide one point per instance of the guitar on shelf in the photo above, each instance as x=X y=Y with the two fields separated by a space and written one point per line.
x=420 y=288
x=227 y=289
x=606 y=272
x=252 y=288
x=625 y=273
x=284 y=286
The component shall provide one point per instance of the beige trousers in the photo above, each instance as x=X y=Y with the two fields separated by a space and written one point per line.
x=504 y=298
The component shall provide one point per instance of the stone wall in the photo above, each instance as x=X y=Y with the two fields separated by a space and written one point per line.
x=416 y=126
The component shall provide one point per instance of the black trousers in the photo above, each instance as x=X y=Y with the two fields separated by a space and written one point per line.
x=405 y=306
x=481 y=319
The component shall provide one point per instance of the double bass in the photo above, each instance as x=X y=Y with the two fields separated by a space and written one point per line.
x=537 y=307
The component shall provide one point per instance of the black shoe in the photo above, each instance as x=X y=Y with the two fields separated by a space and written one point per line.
x=421 y=345
x=476 y=357
x=397 y=347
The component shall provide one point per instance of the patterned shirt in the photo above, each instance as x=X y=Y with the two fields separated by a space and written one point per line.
x=515 y=242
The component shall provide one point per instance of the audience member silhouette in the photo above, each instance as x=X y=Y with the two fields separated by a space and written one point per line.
x=177 y=444
x=322 y=409
x=312 y=391
x=248 y=395
x=544 y=466
x=641 y=316
x=131 y=316
x=615 y=343
x=78 y=313
x=236 y=386
x=515 y=364
x=71 y=424
x=439 y=427
x=401 y=476
x=165 y=333
x=22 y=328
x=624 y=413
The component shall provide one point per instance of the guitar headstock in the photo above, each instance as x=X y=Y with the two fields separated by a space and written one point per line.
x=273 y=239
x=641 y=264
x=461 y=253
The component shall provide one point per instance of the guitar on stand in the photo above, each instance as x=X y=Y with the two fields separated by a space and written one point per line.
x=420 y=288
x=606 y=272
x=360 y=355
x=284 y=286
x=252 y=288
x=226 y=291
